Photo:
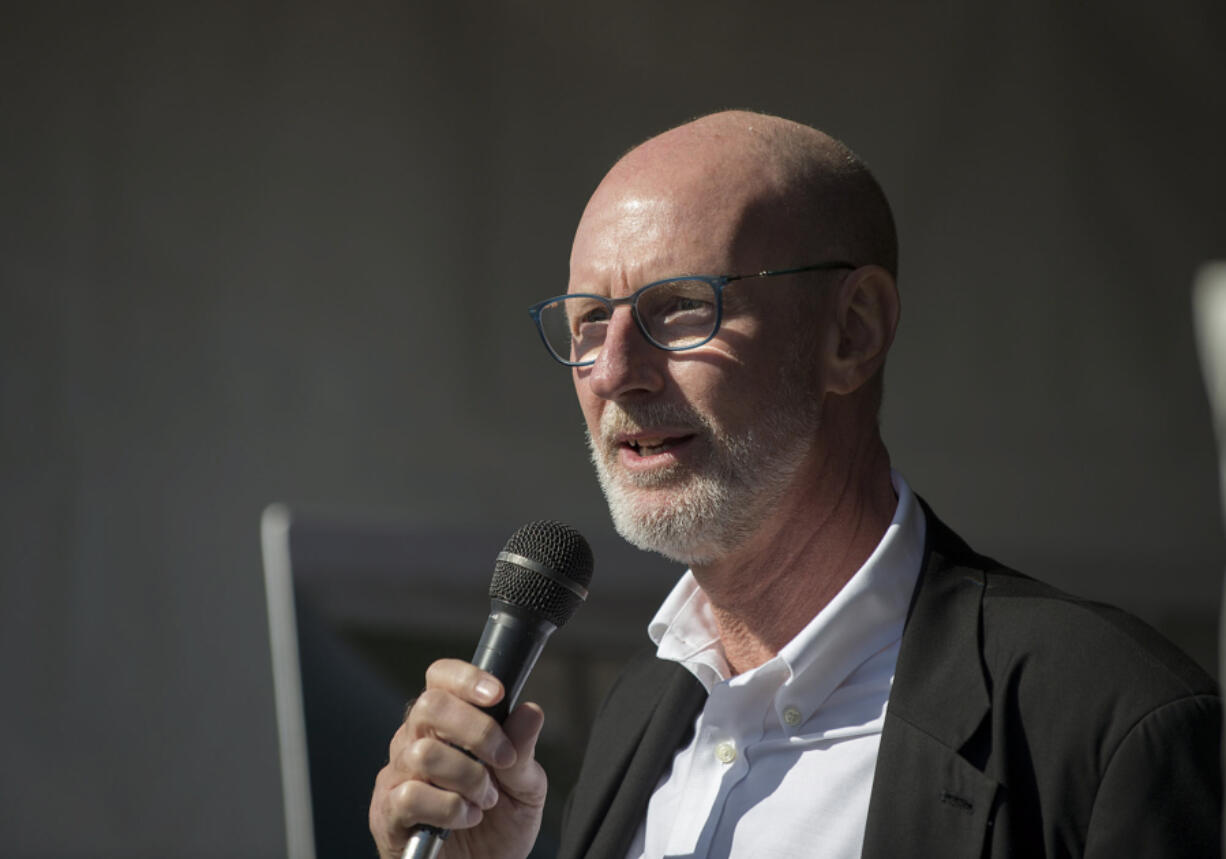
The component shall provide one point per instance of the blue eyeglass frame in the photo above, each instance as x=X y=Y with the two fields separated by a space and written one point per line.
x=716 y=282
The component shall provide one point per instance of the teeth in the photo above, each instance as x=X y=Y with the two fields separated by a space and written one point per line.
x=648 y=447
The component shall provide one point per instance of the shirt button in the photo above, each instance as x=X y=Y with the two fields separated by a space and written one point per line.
x=792 y=717
x=725 y=753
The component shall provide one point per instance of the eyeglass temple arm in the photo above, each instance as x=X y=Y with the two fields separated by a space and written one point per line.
x=821 y=266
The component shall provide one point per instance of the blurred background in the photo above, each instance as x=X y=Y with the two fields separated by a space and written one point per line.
x=256 y=252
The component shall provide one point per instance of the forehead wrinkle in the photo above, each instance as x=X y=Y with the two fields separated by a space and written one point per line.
x=608 y=245
x=635 y=241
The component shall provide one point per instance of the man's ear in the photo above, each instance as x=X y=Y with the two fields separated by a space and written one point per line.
x=865 y=317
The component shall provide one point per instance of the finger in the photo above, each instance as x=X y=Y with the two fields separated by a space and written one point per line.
x=441 y=714
x=525 y=781
x=413 y=803
x=446 y=767
x=523 y=728
x=465 y=681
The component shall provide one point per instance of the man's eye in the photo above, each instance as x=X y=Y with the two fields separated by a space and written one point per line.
x=682 y=304
x=593 y=316
x=682 y=308
x=585 y=317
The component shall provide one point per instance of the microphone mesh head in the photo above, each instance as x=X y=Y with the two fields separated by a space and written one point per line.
x=555 y=546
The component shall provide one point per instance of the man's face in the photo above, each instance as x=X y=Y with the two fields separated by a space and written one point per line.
x=695 y=449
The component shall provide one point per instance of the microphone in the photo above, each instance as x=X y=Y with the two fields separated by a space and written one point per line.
x=540 y=579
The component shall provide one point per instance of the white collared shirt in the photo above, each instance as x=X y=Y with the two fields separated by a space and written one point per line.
x=782 y=759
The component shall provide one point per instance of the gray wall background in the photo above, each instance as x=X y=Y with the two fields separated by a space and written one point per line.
x=282 y=251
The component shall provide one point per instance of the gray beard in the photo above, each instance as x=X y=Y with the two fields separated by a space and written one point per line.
x=700 y=514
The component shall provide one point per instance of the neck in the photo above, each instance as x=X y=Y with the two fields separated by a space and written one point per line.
x=766 y=591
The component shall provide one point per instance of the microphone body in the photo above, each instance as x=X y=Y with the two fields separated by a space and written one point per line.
x=509 y=648
x=540 y=579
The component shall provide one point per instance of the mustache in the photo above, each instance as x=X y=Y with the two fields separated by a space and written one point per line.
x=618 y=418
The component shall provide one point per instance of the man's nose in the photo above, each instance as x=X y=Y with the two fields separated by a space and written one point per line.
x=627 y=362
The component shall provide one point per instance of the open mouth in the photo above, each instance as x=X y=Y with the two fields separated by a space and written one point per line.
x=652 y=446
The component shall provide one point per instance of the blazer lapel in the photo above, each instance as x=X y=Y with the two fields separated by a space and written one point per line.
x=930 y=797
x=639 y=734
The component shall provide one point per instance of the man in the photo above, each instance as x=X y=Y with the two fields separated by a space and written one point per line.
x=837 y=674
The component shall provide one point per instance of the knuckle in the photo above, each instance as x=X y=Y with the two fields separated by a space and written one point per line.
x=405 y=801
x=475 y=781
x=426 y=702
x=418 y=756
x=427 y=711
x=456 y=809
x=488 y=735
x=444 y=673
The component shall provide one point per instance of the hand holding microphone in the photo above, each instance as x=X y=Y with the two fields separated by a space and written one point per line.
x=452 y=765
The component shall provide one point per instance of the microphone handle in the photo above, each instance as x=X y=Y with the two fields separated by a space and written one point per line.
x=426 y=843
x=509 y=648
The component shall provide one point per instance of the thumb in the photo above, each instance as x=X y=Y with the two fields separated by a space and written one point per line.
x=524 y=780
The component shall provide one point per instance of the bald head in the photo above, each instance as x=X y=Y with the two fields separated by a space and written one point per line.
x=792 y=191
x=737 y=193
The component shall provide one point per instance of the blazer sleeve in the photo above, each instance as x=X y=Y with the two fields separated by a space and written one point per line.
x=1161 y=792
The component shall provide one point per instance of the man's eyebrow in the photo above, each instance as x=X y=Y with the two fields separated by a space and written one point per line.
x=685 y=273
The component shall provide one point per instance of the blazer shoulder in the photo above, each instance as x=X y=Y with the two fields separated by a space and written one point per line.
x=1025 y=622
x=1092 y=644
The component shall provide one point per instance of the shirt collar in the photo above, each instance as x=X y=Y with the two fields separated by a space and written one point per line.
x=866 y=616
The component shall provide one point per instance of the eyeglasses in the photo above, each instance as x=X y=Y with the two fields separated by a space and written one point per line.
x=674 y=314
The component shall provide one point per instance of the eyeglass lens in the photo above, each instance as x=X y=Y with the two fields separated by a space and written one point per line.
x=674 y=314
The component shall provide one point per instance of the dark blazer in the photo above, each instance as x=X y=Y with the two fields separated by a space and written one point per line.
x=1023 y=722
